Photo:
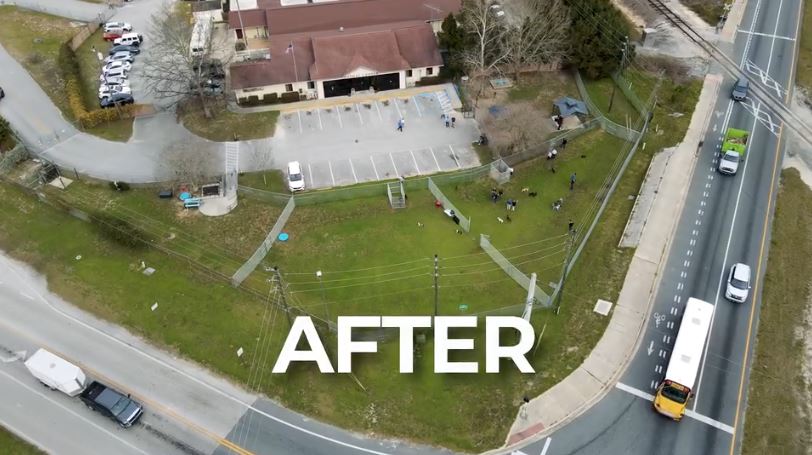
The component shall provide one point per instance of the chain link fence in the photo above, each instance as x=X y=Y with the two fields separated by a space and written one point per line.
x=511 y=270
x=459 y=218
x=242 y=273
x=620 y=131
x=625 y=86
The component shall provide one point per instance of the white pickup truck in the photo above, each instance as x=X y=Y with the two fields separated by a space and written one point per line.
x=56 y=372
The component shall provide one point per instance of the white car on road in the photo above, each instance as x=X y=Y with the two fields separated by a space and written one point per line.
x=120 y=57
x=738 y=283
x=119 y=64
x=106 y=90
x=118 y=26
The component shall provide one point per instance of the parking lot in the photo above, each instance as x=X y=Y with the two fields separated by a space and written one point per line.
x=357 y=142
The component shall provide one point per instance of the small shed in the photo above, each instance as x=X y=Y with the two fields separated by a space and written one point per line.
x=568 y=106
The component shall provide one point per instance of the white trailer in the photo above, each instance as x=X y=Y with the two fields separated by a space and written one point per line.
x=56 y=372
x=201 y=35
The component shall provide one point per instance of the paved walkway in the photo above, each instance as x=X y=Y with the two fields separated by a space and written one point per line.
x=608 y=360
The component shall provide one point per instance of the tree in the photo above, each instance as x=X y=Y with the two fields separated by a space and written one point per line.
x=484 y=38
x=452 y=41
x=598 y=37
x=194 y=161
x=170 y=70
x=539 y=35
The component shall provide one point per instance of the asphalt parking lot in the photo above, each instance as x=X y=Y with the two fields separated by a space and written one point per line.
x=359 y=141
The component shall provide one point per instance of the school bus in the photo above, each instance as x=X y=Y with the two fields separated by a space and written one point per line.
x=676 y=389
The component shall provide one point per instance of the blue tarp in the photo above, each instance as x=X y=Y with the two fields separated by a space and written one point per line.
x=568 y=106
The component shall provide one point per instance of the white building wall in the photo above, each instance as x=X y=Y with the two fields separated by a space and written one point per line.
x=419 y=73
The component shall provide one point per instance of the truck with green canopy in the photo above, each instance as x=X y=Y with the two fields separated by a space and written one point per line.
x=733 y=150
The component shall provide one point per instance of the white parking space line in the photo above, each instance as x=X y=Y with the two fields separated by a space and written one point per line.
x=332 y=177
x=435 y=159
x=378 y=108
x=299 y=113
x=415 y=162
x=377 y=177
x=338 y=111
x=26 y=295
x=417 y=106
x=358 y=110
x=688 y=413
x=318 y=111
x=395 y=102
x=454 y=155
x=546 y=446
x=310 y=173
x=394 y=166
x=352 y=168
x=767 y=35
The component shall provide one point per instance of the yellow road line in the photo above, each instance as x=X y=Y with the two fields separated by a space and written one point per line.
x=764 y=238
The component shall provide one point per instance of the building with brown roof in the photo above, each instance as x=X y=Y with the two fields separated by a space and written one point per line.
x=332 y=49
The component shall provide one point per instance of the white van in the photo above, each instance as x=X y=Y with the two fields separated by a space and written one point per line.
x=295 y=177
x=130 y=39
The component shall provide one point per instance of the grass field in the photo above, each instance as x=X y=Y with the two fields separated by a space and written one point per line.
x=779 y=415
x=804 y=71
x=225 y=125
x=12 y=445
x=208 y=320
x=33 y=39
x=709 y=10
x=622 y=111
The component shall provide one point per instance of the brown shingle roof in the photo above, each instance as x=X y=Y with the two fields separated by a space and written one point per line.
x=313 y=17
x=279 y=69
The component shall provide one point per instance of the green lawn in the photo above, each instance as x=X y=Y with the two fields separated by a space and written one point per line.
x=543 y=88
x=621 y=112
x=207 y=320
x=224 y=124
x=12 y=445
x=804 y=71
x=271 y=180
x=33 y=39
x=779 y=415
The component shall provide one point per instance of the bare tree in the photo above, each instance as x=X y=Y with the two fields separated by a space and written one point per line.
x=194 y=161
x=172 y=70
x=486 y=30
x=538 y=36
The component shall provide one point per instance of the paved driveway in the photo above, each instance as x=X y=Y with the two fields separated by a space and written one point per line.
x=358 y=142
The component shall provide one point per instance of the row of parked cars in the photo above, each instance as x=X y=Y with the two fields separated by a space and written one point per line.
x=114 y=83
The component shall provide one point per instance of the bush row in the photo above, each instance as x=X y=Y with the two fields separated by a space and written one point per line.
x=97 y=117
x=271 y=98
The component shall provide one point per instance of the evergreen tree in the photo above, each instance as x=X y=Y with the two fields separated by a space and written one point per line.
x=452 y=42
x=597 y=37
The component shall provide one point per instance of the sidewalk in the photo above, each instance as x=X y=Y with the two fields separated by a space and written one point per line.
x=360 y=98
x=591 y=381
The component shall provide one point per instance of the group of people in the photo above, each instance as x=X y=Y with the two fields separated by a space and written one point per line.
x=449 y=120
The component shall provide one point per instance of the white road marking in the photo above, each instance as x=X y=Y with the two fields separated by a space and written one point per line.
x=395 y=102
x=417 y=106
x=310 y=172
x=26 y=295
x=358 y=110
x=454 y=155
x=690 y=253
x=546 y=446
x=299 y=114
x=321 y=125
x=397 y=174
x=352 y=168
x=774 y=37
x=435 y=159
x=688 y=413
x=415 y=162
x=378 y=108
x=340 y=122
x=332 y=177
x=377 y=177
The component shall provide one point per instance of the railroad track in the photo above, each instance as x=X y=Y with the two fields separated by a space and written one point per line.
x=757 y=90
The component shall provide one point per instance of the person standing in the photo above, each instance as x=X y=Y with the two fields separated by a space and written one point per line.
x=453 y=122
x=509 y=204
x=572 y=181
x=513 y=205
x=563 y=143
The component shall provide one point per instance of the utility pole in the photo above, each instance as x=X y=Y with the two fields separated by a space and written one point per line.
x=323 y=300
x=282 y=296
x=564 y=271
x=625 y=52
x=436 y=286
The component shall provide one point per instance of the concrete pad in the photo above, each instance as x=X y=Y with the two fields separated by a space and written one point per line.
x=320 y=174
x=60 y=182
x=404 y=163
x=310 y=121
x=330 y=119
x=349 y=116
x=382 y=163
x=628 y=319
x=364 y=170
x=638 y=285
x=466 y=156
x=445 y=158
x=407 y=109
x=343 y=172
x=426 y=163
x=645 y=199
x=369 y=112
x=429 y=105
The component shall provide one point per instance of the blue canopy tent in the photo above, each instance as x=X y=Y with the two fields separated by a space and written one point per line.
x=568 y=106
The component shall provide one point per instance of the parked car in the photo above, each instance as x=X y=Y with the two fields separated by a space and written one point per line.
x=134 y=50
x=112 y=403
x=134 y=39
x=112 y=36
x=295 y=177
x=111 y=81
x=117 y=72
x=738 y=283
x=127 y=66
x=120 y=56
x=106 y=91
x=740 y=89
x=118 y=25
x=116 y=99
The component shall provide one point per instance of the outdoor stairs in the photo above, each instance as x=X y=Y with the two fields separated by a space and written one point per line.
x=232 y=157
x=445 y=103
x=397 y=198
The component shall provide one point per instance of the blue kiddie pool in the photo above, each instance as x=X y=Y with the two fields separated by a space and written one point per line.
x=282 y=237
x=185 y=195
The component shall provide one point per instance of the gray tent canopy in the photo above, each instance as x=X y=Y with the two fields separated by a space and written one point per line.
x=568 y=106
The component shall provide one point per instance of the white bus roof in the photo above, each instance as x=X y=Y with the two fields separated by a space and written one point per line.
x=693 y=332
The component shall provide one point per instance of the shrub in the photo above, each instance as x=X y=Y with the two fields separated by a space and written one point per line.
x=119 y=186
x=98 y=116
x=6 y=134
x=290 y=97
x=119 y=231
x=239 y=46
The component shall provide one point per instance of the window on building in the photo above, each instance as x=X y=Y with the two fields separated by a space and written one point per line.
x=429 y=71
x=311 y=85
x=288 y=87
x=239 y=33
x=408 y=73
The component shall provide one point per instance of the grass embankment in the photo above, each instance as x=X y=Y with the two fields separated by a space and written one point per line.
x=779 y=414
x=709 y=10
x=33 y=39
x=622 y=111
x=12 y=445
x=208 y=320
x=224 y=125
x=804 y=71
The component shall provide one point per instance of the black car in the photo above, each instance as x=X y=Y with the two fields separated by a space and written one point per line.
x=116 y=99
x=135 y=50
x=111 y=403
